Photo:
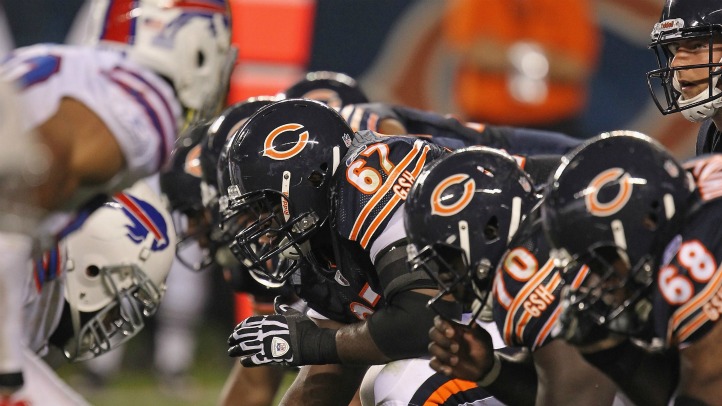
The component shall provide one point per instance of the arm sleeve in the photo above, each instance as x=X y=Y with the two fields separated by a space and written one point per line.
x=401 y=329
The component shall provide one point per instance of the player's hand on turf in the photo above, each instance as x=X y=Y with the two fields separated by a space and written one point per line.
x=272 y=339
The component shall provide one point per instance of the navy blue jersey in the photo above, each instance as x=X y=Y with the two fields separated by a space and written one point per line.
x=687 y=298
x=368 y=192
x=527 y=292
x=450 y=132
x=708 y=138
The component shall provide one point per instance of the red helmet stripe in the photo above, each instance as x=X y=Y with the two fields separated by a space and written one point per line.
x=119 y=25
x=129 y=204
x=210 y=5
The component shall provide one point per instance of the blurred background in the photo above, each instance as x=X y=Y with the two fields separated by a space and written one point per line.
x=572 y=65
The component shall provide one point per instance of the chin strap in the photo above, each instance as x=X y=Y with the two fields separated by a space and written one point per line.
x=703 y=111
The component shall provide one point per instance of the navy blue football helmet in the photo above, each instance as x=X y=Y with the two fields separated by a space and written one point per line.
x=280 y=166
x=221 y=129
x=181 y=186
x=615 y=203
x=683 y=20
x=460 y=215
x=332 y=88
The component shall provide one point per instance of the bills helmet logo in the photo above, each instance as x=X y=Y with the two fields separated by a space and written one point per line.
x=145 y=220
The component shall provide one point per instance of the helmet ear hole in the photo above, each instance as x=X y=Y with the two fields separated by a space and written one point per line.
x=491 y=229
x=200 y=59
x=92 y=271
x=650 y=222
x=316 y=177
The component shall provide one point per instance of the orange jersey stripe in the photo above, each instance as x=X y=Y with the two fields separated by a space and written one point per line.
x=524 y=319
x=521 y=297
x=391 y=205
x=686 y=311
x=447 y=390
x=378 y=196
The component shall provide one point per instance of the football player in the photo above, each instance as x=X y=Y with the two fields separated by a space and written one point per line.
x=646 y=316
x=459 y=216
x=688 y=43
x=191 y=186
x=93 y=291
x=107 y=114
x=452 y=133
x=329 y=203
x=334 y=89
x=470 y=217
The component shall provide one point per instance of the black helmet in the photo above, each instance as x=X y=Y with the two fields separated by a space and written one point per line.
x=180 y=184
x=683 y=20
x=460 y=215
x=221 y=129
x=281 y=163
x=618 y=197
x=332 y=88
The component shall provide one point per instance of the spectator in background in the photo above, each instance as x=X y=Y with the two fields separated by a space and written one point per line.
x=523 y=62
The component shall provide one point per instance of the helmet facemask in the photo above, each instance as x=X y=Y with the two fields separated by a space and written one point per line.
x=270 y=232
x=197 y=235
x=448 y=266
x=663 y=82
x=612 y=297
x=121 y=319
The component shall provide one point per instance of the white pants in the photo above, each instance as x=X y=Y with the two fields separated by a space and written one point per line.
x=412 y=381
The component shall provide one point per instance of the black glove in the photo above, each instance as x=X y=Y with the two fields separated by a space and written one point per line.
x=288 y=338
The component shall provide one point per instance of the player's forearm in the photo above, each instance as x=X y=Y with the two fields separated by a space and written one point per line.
x=516 y=383
x=397 y=331
x=646 y=377
x=356 y=346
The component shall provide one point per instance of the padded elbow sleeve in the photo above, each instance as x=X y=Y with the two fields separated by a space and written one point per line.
x=401 y=329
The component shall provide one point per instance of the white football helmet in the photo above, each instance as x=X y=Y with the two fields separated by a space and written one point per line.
x=117 y=263
x=187 y=41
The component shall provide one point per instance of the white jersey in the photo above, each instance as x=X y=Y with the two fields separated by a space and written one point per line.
x=43 y=299
x=138 y=107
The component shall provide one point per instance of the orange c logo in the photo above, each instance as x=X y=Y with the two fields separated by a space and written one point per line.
x=599 y=209
x=270 y=151
x=441 y=209
x=192 y=165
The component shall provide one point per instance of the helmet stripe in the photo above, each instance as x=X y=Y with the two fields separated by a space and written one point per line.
x=213 y=6
x=129 y=203
x=151 y=112
x=118 y=26
x=166 y=146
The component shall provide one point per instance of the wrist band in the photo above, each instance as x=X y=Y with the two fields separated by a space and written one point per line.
x=493 y=373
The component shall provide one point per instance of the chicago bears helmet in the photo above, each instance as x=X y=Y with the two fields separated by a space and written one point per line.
x=186 y=41
x=460 y=215
x=615 y=203
x=226 y=124
x=684 y=20
x=332 y=88
x=280 y=165
x=117 y=263
x=181 y=186
x=213 y=147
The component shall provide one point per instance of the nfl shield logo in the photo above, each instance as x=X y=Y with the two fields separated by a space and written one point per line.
x=279 y=347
